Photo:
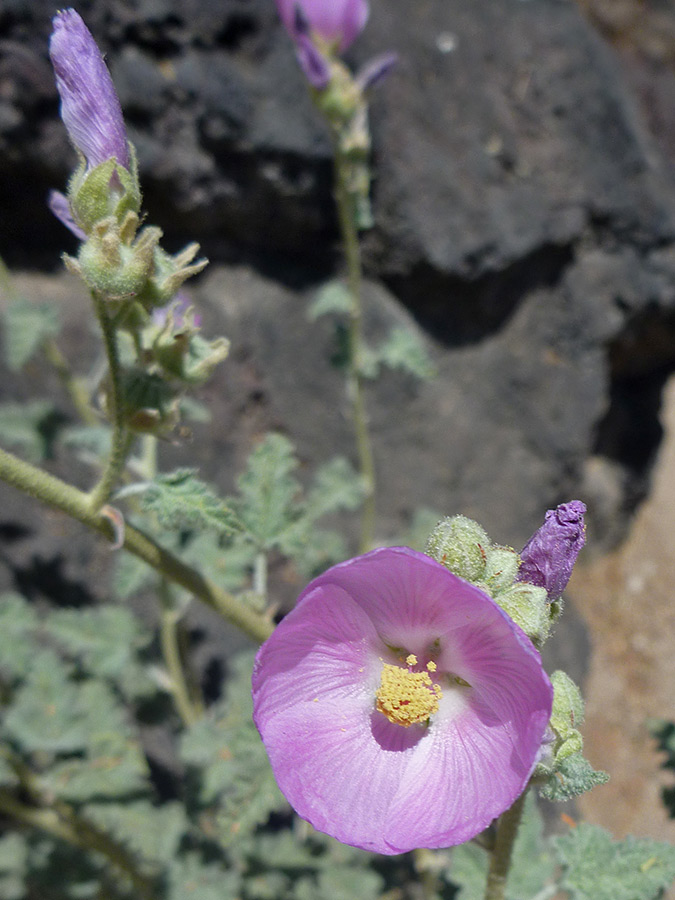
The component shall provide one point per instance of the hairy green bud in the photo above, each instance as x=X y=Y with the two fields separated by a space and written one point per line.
x=461 y=545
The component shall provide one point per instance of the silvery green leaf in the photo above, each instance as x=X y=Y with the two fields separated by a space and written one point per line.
x=268 y=491
x=573 y=776
x=13 y=860
x=105 y=638
x=181 y=501
x=22 y=425
x=27 y=325
x=333 y=298
x=151 y=832
x=597 y=868
x=46 y=713
x=18 y=621
x=404 y=350
x=191 y=877
x=227 y=761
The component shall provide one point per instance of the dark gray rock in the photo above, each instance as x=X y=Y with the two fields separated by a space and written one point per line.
x=522 y=215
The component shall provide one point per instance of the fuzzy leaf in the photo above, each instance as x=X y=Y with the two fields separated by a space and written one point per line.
x=332 y=298
x=130 y=576
x=573 y=776
x=153 y=832
x=190 y=877
x=597 y=868
x=404 y=350
x=337 y=486
x=22 y=425
x=181 y=501
x=268 y=491
x=91 y=443
x=104 y=638
x=27 y=325
x=45 y=713
x=228 y=762
x=17 y=622
x=13 y=858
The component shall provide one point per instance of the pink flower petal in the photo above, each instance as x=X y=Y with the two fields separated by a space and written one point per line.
x=342 y=764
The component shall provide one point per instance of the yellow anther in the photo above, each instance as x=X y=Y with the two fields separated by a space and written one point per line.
x=407 y=698
x=411 y=660
x=431 y=666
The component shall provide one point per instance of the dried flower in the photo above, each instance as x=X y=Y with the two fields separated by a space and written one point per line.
x=548 y=558
x=90 y=108
x=399 y=705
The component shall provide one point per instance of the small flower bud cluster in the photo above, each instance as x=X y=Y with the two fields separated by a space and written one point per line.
x=528 y=585
x=117 y=259
x=121 y=262
x=321 y=30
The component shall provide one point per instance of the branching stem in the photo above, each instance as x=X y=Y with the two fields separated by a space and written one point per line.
x=60 y=495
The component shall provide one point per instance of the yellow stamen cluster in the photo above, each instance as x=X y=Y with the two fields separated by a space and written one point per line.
x=407 y=698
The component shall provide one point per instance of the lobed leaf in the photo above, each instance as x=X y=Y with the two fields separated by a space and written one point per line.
x=105 y=639
x=23 y=425
x=333 y=298
x=596 y=868
x=227 y=761
x=17 y=624
x=573 y=776
x=268 y=491
x=181 y=501
x=27 y=325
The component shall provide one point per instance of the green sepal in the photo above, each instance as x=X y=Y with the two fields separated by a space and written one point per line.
x=108 y=189
x=527 y=605
x=501 y=568
x=461 y=545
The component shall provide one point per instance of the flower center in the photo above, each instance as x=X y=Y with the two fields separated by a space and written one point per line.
x=406 y=697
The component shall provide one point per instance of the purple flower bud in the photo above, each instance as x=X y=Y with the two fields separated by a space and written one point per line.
x=334 y=21
x=548 y=558
x=90 y=108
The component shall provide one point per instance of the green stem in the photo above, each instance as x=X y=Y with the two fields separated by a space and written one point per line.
x=500 y=859
x=355 y=381
x=77 y=504
x=169 y=640
x=120 y=438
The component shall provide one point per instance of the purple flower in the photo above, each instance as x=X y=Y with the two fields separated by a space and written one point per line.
x=548 y=558
x=399 y=705
x=90 y=108
x=336 y=22
x=59 y=205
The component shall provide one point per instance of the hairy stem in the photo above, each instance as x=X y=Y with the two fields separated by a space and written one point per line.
x=121 y=438
x=77 y=504
x=355 y=380
x=500 y=859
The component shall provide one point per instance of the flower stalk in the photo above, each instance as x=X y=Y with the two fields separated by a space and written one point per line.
x=355 y=381
x=120 y=438
x=500 y=858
